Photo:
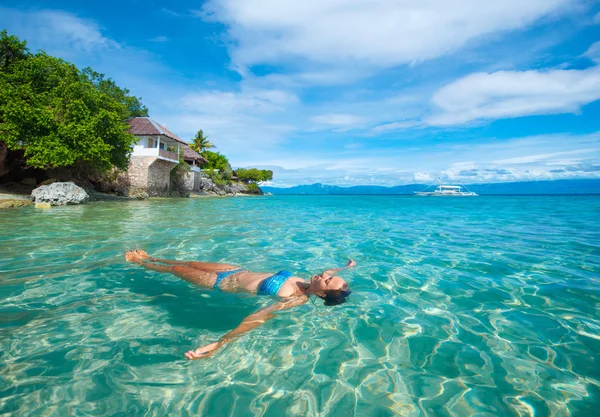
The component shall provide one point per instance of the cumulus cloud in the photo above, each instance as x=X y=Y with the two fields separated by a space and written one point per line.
x=506 y=94
x=423 y=177
x=548 y=157
x=243 y=124
x=57 y=29
x=373 y=33
x=593 y=52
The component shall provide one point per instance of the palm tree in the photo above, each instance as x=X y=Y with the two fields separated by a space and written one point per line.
x=200 y=142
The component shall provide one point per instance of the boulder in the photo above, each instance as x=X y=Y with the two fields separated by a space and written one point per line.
x=14 y=203
x=60 y=194
x=237 y=188
x=139 y=194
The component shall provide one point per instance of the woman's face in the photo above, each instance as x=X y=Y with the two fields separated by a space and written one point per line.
x=326 y=282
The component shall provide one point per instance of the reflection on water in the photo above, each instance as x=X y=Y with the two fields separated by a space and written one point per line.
x=474 y=307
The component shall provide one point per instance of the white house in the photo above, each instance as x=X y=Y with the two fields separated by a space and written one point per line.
x=155 y=154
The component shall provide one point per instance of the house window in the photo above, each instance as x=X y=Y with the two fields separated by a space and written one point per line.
x=150 y=143
x=162 y=145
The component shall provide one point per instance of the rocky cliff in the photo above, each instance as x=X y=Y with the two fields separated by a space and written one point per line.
x=208 y=187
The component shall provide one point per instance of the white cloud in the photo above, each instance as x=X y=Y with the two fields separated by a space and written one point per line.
x=222 y=102
x=520 y=159
x=374 y=33
x=550 y=158
x=339 y=120
x=423 y=177
x=159 y=39
x=593 y=52
x=507 y=94
x=243 y=124
x=389 y=127
x=57 y=30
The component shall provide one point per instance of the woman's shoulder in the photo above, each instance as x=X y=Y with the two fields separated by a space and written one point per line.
x=290 y=287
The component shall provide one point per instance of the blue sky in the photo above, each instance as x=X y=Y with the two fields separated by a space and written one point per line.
x=350 y=92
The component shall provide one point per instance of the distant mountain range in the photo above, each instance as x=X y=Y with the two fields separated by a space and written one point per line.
x=591 y=186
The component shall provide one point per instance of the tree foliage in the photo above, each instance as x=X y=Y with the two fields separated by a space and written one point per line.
x=200 y=142
x=254 y=175
x=61 y=116
x=216 y=161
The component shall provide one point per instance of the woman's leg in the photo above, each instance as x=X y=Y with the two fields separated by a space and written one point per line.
x=193 y=275
x=204 y=266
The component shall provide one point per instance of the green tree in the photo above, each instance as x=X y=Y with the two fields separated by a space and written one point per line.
x=254 y=175
x=216 y=161
x=60 y=116
x=200 y=142
x=132 y=105
x=11 y=49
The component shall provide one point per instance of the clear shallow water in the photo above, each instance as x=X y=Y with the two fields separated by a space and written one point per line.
x=461 y=307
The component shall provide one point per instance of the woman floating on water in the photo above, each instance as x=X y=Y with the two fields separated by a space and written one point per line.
x=293 y=291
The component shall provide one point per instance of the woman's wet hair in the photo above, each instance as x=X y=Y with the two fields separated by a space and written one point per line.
x=336 y=297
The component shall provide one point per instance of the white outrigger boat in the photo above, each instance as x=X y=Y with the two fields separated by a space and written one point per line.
x=447 y=191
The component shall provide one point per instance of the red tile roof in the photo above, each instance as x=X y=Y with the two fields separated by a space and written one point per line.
x=140 y=126
x=189 y=154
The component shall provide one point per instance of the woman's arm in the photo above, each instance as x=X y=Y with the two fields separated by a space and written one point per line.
x=252 y=321
x=351 y=263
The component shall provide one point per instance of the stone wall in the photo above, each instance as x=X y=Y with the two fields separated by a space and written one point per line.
x=189 y=182
x=196 y=181
x=148 y=176
x=159 y=177
x=137 y=175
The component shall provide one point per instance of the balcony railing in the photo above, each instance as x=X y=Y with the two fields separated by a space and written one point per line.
x=168 y=154
x=161 y=153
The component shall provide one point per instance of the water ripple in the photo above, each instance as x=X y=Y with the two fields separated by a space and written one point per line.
x=470 y=307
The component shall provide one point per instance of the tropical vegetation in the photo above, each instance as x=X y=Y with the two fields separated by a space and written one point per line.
x=54 y=115
x=254 y=175
x=200 y=142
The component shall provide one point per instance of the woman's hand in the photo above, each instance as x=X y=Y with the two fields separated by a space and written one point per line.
x=204 y=351
x=351 y=263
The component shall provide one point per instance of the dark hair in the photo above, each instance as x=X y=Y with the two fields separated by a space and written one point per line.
x=335 y=297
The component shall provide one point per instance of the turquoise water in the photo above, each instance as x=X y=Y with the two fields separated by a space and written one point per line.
x=487 y=306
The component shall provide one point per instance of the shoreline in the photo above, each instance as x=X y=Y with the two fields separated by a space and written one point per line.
x=6 y=197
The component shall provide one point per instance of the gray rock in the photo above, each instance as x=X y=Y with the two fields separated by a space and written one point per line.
x=14 y=203
x=237 y=188
x=208 y=186
x=140 y=195
x=60 y=194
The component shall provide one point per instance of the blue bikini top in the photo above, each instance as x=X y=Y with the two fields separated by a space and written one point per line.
x=272 y=285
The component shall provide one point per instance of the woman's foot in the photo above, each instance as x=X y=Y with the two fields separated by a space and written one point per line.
x=133 y=256
x=142 y=255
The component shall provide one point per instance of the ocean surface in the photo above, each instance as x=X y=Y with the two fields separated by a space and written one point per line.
x=485 y=306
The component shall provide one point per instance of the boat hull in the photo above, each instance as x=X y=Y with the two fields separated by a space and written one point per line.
x=434 y=194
